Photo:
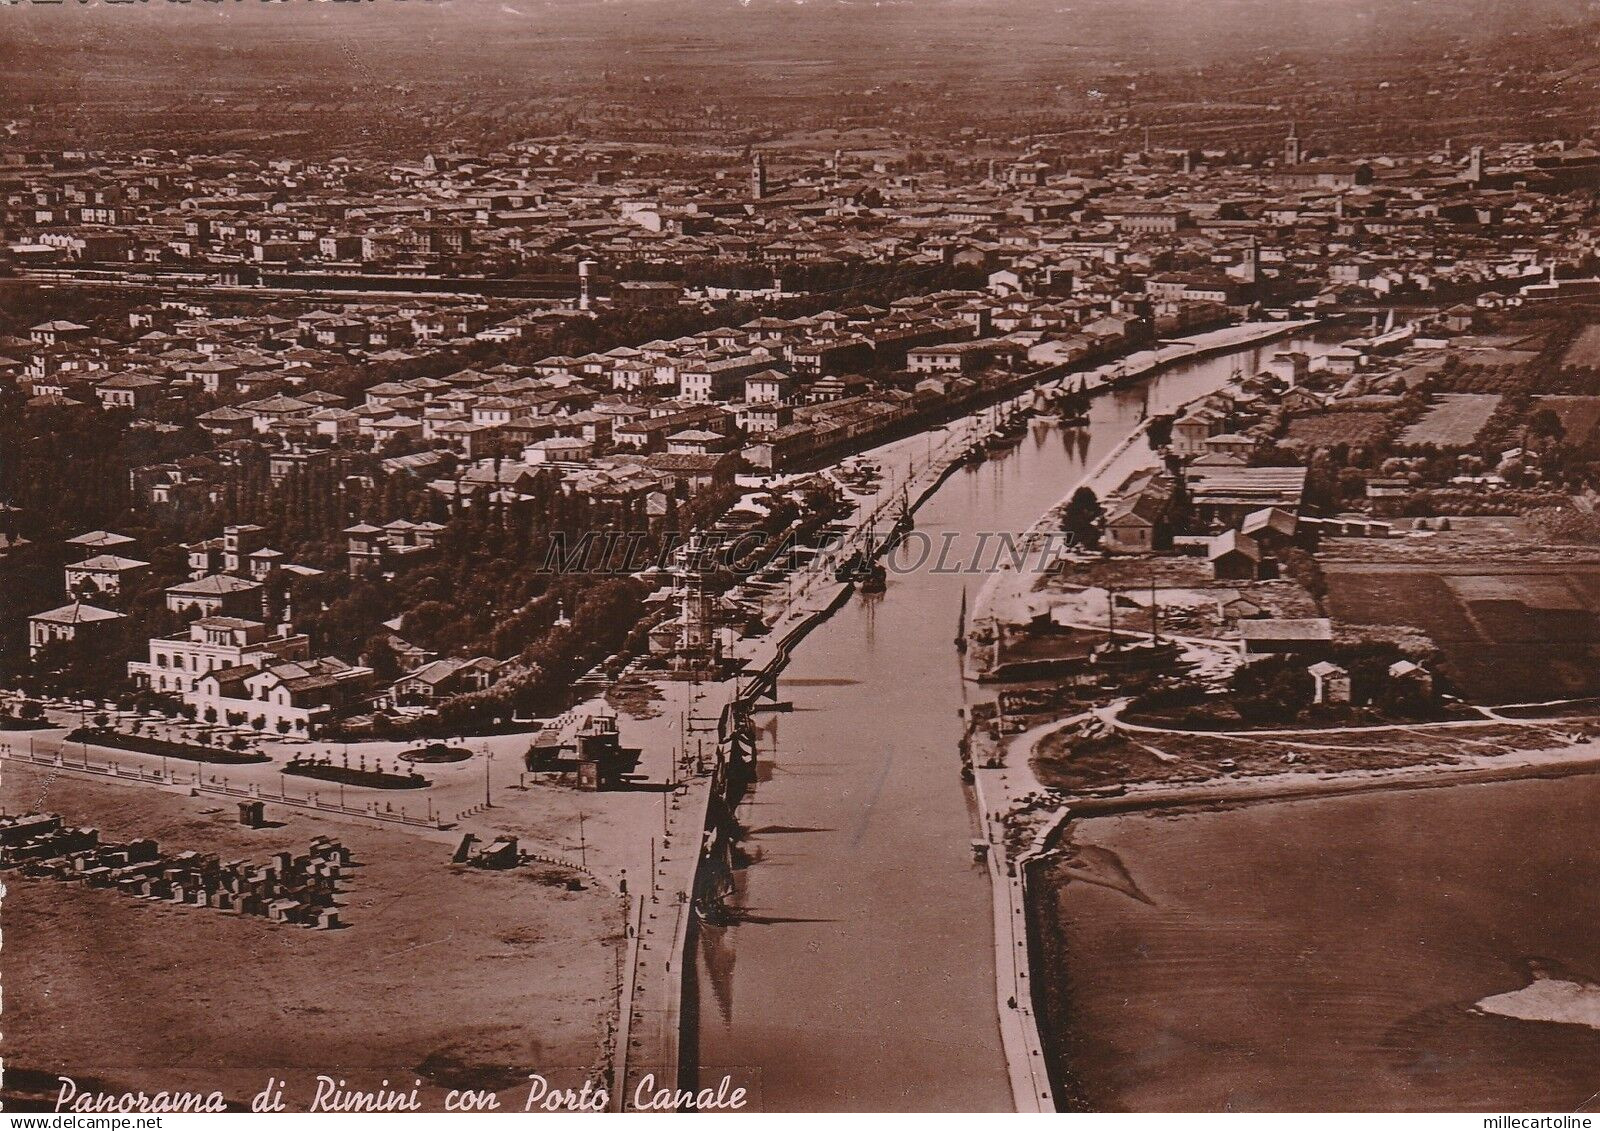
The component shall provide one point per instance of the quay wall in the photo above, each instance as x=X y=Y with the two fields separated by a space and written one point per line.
x=1031 y=1092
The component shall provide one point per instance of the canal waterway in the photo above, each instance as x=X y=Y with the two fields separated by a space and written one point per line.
x=857 y=971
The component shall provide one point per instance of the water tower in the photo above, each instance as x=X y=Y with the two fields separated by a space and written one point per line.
x=586 y=269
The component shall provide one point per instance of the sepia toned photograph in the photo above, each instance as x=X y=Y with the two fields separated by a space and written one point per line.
x=768 y=556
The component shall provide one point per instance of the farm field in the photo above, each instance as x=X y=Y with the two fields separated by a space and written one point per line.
x=1487 y=541
x=1454 y=421
x=1509 y=633
x=1585 y=349
x=1325 y=429
x=1579 y=415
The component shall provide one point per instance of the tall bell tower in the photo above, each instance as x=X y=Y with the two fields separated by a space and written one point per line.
x=758 y=178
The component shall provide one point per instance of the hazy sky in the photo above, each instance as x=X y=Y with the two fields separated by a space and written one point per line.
x=461 y=33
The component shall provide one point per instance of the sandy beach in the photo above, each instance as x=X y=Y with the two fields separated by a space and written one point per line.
x=454 y=977
x=1382 y=962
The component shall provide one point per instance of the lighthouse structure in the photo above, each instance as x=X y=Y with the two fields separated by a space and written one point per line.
x=698 y=646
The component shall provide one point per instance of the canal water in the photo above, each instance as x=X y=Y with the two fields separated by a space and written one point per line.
x=858 y=971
